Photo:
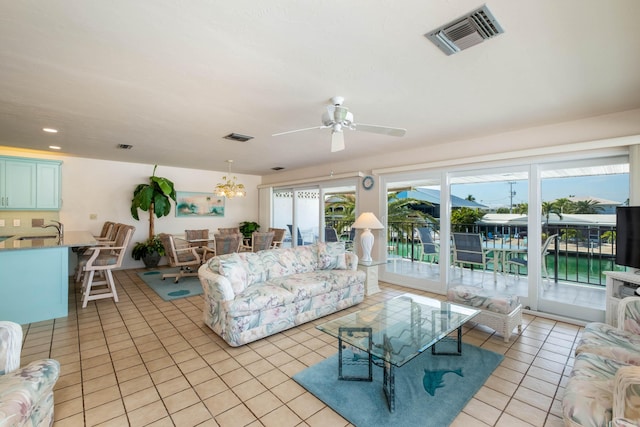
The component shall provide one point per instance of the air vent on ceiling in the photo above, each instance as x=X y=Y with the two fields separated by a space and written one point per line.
x=277 y=168
x=238 y=137
x=125 y=146
x=467 y=31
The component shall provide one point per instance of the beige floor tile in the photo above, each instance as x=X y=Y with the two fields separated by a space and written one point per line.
x=284 y=417
x=140 y=398
x=305 y=405
x=104 y=413
x=221 y=402
x=237 y=416
x=191 y=416
x=147 y=414
x=324 y=417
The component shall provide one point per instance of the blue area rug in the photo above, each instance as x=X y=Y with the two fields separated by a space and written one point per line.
x=167 y=289
x=430 y=390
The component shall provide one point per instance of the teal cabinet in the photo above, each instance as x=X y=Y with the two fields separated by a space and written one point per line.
x=27 y=184
x=34 y=284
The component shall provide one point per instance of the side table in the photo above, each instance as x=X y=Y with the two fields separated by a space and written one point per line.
x=371 y=282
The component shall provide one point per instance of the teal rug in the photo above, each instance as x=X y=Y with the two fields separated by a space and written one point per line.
x=167 y=289
x=430 y=390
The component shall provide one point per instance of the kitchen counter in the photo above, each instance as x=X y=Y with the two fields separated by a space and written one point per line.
x=70 y=239
x=34 y=275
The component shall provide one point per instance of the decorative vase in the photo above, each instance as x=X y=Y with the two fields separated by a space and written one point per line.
x=151 y=260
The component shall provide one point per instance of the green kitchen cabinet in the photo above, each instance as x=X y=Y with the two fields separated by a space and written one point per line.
x=29 y=184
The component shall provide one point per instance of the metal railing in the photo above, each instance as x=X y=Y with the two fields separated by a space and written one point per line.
x=579 y=254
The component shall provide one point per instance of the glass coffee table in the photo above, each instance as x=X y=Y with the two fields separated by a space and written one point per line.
x=395 y=331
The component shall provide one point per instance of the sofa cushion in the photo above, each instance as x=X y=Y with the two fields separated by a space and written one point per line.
x=280 y=262
x=483 y=299
x=307 y=258
x=302 y=286
x=259 y=297
x=331 y=256
x=610 y=342
x=340 y=279
x=242 y=269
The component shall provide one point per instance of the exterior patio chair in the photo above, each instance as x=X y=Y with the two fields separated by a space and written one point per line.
x=428 y=248
x=521 y=261
x=468 y=250
x=300 y=241
x=180 y=254
x=330 y=234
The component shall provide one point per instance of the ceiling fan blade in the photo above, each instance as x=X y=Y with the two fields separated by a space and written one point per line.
x=383 y=130
x=299 y=130
x=337 y=141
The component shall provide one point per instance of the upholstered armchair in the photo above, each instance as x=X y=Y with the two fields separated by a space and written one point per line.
x=26 y=394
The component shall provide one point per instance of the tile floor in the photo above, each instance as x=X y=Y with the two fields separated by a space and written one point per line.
x=147 y=362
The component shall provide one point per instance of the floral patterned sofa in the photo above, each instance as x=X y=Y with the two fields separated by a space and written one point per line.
x=26 y=394
x=604 y=384
x=249 y=296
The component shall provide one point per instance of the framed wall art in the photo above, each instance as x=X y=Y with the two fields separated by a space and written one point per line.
x=189 y=204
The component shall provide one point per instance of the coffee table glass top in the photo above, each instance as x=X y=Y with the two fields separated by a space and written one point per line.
x=401 y=328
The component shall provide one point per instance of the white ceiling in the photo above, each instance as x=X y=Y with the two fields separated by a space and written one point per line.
x=173 y=77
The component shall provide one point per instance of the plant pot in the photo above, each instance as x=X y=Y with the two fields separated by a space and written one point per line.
x=151 y=260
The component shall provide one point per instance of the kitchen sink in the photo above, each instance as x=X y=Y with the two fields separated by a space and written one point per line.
x=37 y=237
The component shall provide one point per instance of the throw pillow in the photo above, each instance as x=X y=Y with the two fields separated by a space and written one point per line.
x=331 y=256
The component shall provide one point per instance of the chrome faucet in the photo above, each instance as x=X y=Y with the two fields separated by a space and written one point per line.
x=58 y=226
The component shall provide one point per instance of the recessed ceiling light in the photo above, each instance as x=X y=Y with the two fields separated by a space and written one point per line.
x=54 y=147
x=50 y=130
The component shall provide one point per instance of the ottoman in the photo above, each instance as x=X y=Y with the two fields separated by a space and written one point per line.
x=501 y=313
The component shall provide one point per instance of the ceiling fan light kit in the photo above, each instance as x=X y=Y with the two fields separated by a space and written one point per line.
x=338 y=117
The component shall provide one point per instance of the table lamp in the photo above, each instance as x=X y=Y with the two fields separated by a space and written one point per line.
x=367 y=221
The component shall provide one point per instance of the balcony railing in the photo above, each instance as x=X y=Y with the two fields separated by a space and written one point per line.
x=579 y=254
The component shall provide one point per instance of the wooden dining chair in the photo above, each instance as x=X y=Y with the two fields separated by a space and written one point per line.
x=180 y=254
x=278 y=236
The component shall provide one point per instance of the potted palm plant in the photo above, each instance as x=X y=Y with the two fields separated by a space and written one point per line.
x=153 y=197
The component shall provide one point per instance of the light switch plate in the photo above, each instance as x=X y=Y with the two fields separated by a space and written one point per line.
x=93 y=216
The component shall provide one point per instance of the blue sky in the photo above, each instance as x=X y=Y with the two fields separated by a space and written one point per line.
x=611 y=187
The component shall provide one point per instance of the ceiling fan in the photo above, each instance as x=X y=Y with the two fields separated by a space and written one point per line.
x=337 y=117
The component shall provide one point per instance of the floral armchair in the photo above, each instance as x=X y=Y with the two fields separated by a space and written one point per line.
x=26 y=394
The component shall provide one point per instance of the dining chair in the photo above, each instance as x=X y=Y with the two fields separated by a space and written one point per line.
x=278 y=237
x=102 y=260
x=105 y=233
x=521 y=260
x=224 y=244
x=428 y=247
x=261 y=241
x=180 y=254
x=110 y=240
x=198 y=239
x=230 y=230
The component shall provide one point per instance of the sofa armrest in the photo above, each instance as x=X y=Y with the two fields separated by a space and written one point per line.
x=214 y=285
x=629 y=314
x=352 y=260
x=627 y=377
x=25 y=390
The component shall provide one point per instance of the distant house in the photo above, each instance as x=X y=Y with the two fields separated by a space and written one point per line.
x=432 y=196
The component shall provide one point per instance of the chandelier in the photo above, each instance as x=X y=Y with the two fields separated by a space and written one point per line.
x=229 y=188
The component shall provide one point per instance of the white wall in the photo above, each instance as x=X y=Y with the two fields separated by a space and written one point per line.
x=105 y=188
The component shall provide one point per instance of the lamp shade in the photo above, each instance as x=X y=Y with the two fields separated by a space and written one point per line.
x=367 y=220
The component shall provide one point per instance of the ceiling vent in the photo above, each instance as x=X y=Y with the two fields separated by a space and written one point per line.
x=467 y=31
x=125 y=146
x=277 y=168
x=238 y=137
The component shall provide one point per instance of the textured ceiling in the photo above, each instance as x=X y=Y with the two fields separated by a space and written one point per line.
x=172 y=77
